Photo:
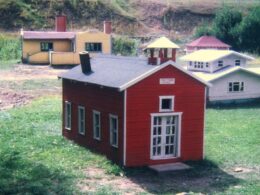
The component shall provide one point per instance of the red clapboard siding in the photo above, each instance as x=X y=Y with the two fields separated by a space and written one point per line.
x=106 y=101
x=143 y=99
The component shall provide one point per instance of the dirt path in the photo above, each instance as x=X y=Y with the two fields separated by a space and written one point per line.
x=29 y=72
x=23 y=83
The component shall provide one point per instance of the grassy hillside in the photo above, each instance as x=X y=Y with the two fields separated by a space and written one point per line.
x=35 y=14
x=128 y=16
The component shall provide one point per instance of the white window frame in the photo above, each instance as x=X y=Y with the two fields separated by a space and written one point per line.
x=67 y=119
x=81 y=120
x=111 y=130
x=99 y=125
x=179 y=115
x=241 y=87
x=237 y=62
x=220 y=63
x=161 y=98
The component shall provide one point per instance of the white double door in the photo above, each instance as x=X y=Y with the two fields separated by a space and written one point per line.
x=164 y=140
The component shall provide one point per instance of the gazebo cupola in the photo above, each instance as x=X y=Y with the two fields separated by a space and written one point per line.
x=161 y=50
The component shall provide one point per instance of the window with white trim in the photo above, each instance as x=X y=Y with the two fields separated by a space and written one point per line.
x=81 y=120
x=96 y=125
x=46 y=46
x=190 y=63
x=237 y=62
x=207 y=64
x=220 y=63
x=113 y=128
x=67 y=115
x=166 y=103
x=236 y=86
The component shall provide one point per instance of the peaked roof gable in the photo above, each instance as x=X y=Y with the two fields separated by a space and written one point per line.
x=210 y=55
x=208 y=41
x=160 y=67
x=119 y=72
x=162 y=42
x=209 y=77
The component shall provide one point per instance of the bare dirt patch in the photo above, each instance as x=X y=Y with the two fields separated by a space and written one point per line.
x=96 y=178
x=28 y=72
x=24 y=83
x=10 y=99
x=146 y=181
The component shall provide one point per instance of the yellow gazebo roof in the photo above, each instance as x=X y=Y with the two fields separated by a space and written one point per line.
x=162 y=42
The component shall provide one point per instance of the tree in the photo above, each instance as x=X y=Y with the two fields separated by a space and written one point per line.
x=124 y=46
x=226 y=26
x=250 y=31
x=204 y=30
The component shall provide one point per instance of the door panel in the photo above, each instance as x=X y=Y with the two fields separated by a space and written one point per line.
x=164 y=137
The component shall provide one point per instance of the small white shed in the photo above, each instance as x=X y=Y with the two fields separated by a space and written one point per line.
x=235 y=83
x=213 y=60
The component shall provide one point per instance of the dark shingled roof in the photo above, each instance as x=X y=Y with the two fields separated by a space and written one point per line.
x=119 y=72
x=111 y=71
x=48 y=35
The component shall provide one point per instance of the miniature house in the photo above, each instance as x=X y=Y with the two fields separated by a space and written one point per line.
x=214 y=60
x=161 y=50
x=206 y=42
x=232 y=85
x=135 y=113
x=61 y=47
x=226 y=70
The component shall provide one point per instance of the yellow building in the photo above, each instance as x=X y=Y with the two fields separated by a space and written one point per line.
x=62 y=48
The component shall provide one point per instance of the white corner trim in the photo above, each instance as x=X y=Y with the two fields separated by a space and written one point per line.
x=124 y=147
x=204 y=123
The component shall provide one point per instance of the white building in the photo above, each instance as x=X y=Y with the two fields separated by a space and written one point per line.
x=213 y=60
x=232 y=84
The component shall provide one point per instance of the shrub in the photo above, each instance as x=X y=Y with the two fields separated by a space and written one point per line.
x=10 y=48
x=226 y=26
x=203 y=30
x=250 y=31
x=124 y=46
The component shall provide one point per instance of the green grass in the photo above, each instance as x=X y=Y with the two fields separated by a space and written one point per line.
x=36 y=159
x=7 y=65
x=233 y=140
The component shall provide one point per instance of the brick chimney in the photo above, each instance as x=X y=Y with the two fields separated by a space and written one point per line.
x=60 y=23
x=107 y=27
x=85 y=62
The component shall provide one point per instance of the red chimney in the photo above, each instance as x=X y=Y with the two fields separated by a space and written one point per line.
x=107 y=27
x=60 y=23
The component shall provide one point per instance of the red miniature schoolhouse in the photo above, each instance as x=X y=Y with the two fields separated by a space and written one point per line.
x=134 y=112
